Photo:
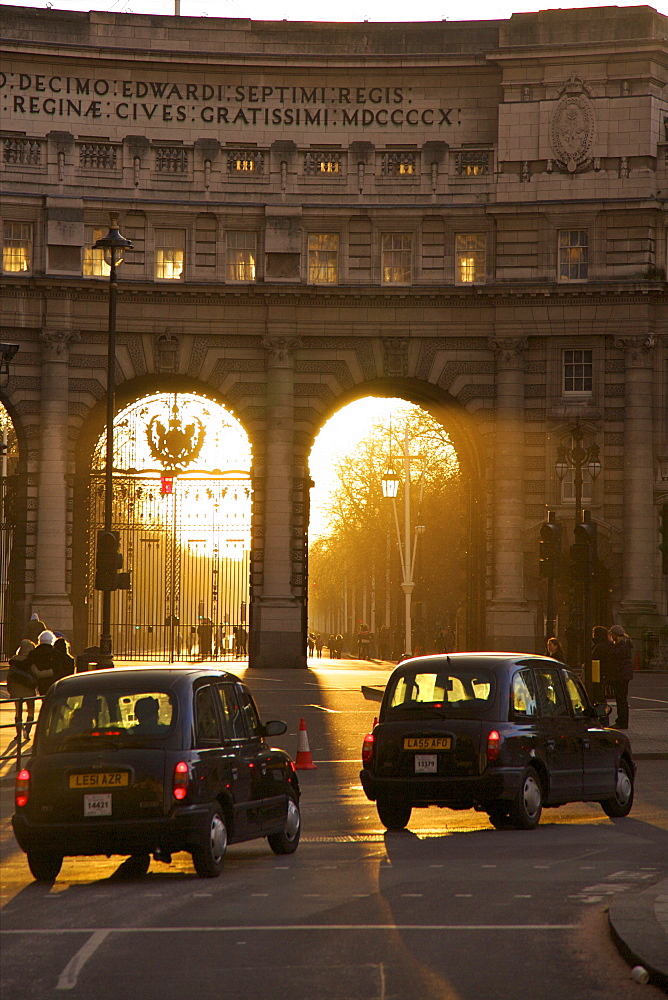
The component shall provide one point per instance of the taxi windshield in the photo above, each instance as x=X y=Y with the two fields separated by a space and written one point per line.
x=454 y=692
x=131 y=717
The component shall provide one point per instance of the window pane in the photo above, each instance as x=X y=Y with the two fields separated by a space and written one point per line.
x=578 y=371
x=552 y=701
x=396 y=264
x=470 y=257
x=573 y=254
x=207 y=720
x=17 y=247
x=523 y=694
x=169 y=254
x=323 y=258
x=94 y=264
x=241 y=256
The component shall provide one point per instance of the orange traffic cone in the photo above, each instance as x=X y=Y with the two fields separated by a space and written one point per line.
x=304 y=761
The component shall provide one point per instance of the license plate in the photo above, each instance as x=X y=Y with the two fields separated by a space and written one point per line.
x=100 y=779
x=97 y=804
x=425 y=763
x=427 y=743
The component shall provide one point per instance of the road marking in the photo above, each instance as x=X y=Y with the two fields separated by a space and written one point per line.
x=290 y=928
x=463 y=895
x=330 y=711
x=69 y=975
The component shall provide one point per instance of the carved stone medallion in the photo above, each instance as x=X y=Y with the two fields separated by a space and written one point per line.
x=572 y=128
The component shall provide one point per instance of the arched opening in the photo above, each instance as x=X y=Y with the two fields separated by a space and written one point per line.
x=401 y=572
x=181 y=505
x=9 y=575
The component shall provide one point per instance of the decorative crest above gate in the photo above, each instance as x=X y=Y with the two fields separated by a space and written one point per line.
x=176 y=446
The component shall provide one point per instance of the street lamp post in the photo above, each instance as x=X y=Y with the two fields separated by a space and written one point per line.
x=113 y=245
x=578 y=458
x=407 y=551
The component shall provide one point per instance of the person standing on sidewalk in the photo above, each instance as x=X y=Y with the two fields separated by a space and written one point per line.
x=622 y=673
x=602 y=650
x=34 y=628
x=21 y=683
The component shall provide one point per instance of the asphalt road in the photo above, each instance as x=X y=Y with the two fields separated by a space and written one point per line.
x=449 y=910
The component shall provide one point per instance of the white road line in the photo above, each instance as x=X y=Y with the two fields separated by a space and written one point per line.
x=290 y=928
x=69 y=975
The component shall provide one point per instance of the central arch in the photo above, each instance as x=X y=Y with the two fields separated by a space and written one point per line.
x=463 y=429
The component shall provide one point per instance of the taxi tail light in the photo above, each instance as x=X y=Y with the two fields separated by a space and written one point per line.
x=368 y=747
x=22 y=787
x=180 y=780
x=493 y=746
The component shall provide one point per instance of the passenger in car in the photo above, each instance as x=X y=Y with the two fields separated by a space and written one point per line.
x=147 y=711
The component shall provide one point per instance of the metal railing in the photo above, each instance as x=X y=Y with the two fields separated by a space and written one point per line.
x=14 y=749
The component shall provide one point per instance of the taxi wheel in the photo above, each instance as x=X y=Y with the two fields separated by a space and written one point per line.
x=287 y=841
x=394 y=815
x=44 y=865
x=527 y=807
x=209 y=856
x=621 y=802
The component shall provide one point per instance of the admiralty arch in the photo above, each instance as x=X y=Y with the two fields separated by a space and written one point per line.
x=469 y=216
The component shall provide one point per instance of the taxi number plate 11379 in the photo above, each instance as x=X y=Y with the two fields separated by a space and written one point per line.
x=427 y=743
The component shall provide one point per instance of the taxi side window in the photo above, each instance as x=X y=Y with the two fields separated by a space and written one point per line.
x=523 y=695
x=576 y=696
x=550 y=694
x=232 y=713
x=249 y=710
x=208 y=730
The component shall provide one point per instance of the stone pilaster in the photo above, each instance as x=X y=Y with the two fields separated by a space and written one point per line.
x=52 y=598
x=510 y=625
x=640 y=533
x=277 y=636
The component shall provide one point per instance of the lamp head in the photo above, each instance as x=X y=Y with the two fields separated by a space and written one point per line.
x=113 y=244
x=390 y=484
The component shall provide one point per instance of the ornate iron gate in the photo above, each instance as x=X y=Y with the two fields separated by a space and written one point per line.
x=188 y=554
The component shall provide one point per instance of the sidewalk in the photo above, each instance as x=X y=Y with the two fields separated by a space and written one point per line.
x=638 y=921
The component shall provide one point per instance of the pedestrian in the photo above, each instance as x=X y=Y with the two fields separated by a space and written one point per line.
x=338 y=645
x=64 y=659
x=35 y=627
x=42 y=661
x=554 y=649
x=602 y=652
x=622 y=674
x=205 y=638
x=21 y=683
x=319 y=643
x=310 y=640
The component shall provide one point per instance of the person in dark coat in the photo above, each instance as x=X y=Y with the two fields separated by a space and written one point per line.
x=602 y=651
x=622 y=674
x=35 y=627
x=64 y=658
x=554 y=650
x=22 y=684
x=42 y=661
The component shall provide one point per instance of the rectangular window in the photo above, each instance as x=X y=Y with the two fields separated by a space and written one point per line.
x=323 y=258
x=472 y=162
x=322 y=162
x=94 y=264
x=169 y=254
x=245 y=161
x=396 y=262
x=470 y=258
x=568 y=487
x=578 y=371
x=573 y=254
x=17 y=247
x=241 y=256
x=399 y=164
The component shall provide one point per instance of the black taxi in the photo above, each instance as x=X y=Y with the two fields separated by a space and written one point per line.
x=143 y=761
x=504 y=733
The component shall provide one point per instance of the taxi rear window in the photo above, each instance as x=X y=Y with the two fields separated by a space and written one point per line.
x=452 y=692
x=128 y=716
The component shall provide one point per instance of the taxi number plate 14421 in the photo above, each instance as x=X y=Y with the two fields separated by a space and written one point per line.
x=98 y=804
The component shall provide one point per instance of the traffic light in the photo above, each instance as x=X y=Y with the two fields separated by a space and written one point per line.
x=663 y=544
x=549 y=548
x=109 y=560
x=584 y=550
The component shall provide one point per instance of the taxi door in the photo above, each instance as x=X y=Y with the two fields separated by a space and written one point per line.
x=560 y=735
x=244 y=770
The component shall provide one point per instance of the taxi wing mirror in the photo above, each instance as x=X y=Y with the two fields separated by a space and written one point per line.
x=275 y=728
x=602 y=710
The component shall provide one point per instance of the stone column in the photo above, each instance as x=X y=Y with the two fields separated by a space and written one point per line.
x=52 y=597
x=277 y=634
x=510 y=624
x=639 y=609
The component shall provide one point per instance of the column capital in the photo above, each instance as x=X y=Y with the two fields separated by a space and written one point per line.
x=56 y=343
x=281 y=349
x=509 y=351
x=638 y=350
